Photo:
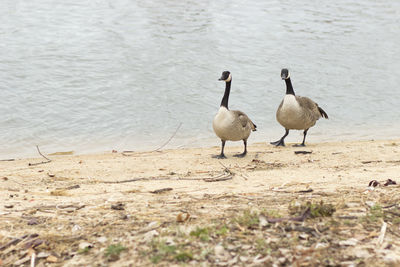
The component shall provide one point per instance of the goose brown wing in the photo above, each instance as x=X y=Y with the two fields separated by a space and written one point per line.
x=243 y=119
x=309 y=107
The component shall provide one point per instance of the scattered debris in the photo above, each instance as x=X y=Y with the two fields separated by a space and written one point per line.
x=118 y=206
x=316 y=209
x=39 y=163
x=52 y=259
x=183 y=217
x=85 y=245
x=309 y=190
x=70 y=187
x=162 y=190
x=348 y=242
x=302 y=152
x=373 y=183
x=33 y=221
x=225 y=178
x=371 y=161
x=379 y=242
x=59 y=193
x=389 y=182
x=257 y=164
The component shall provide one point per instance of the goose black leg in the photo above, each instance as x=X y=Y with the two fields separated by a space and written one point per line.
x=244 y=152
x=281 y=142
x=304 y=139
x=222 y=155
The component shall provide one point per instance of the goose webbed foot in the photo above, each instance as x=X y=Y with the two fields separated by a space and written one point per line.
x=241 y=155
x=220 y=156
x=299 y=145
x=278 y=143
x=281 y=142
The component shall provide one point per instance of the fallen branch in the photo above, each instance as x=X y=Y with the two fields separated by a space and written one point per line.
x=371 y=161
x=33 y=257
x=7 y=159
x=58 y=207
x=389 y=206
x=17 y=240
x=43 y=162
x=69 y=187
x=135 y=180
x=162 y=190
x=226 y=169
x=226 y=175
x=302 y=152
x=305 y=191
x=382 y=234
x=229 y=177
x=218 y=178
x=172 y=136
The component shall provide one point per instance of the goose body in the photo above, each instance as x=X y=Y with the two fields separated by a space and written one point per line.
x=296 y=112
x=231 y=125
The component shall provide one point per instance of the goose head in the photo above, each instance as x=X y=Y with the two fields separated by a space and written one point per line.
x=226 y=76
x=285 y=74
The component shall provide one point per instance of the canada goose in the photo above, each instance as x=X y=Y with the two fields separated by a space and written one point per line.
x=232 y=125
x=296 y=112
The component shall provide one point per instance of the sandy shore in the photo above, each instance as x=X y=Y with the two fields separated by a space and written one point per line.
x=68 y=201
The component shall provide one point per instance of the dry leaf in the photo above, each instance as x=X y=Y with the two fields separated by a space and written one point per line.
x=52 y=258
x=183 y=217
x=59 y=193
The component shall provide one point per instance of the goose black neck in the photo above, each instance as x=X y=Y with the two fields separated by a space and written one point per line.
x=224 y=102
x=289 y=87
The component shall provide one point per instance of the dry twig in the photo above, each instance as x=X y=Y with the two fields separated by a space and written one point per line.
x=43 y=162
x=162 y=190
x=382 y=234
x=172 y=136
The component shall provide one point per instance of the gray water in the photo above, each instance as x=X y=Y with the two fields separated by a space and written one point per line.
x=96 y=75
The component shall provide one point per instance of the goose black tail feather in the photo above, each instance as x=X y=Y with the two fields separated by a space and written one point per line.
x=323 y=113
x=254 y=128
